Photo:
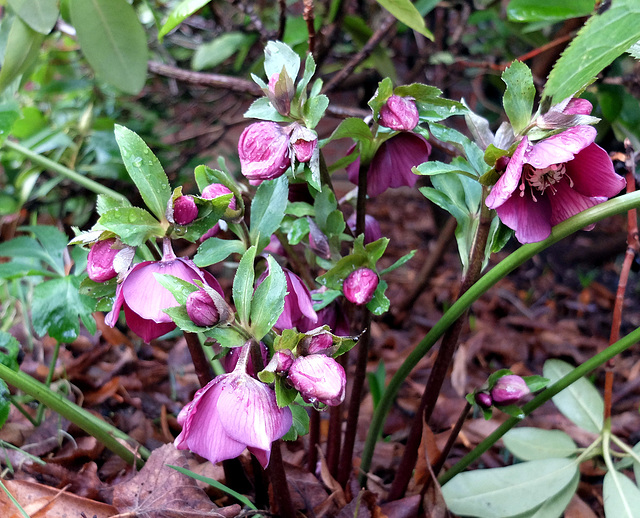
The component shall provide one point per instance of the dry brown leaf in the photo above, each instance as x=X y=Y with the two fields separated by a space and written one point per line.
x=158 y=491
x=45 y=502
x=577 y=508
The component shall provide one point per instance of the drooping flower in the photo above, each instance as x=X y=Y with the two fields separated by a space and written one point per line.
x=264 y=152
x=304 y=143
x=211 y=192
x=372 y=230
x=318 y=378
x=144 y=298
x=509 y=389
x=231 y=413
x=391 y=165
x=399 y=113
x=360 y=285
x=184 y=210
x=549 y=181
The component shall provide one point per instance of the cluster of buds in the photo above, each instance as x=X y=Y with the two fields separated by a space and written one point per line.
x=505 y=389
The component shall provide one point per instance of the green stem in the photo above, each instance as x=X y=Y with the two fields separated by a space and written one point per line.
x=47 y=382
x=107 y=434
x=626 y=448
x=501 y=270
x=50 y=165
x=581 y=370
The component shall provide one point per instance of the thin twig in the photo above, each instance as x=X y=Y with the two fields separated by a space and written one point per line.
x=309 y=17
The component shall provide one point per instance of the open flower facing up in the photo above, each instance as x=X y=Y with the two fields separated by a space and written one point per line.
x=231 y=413
x=144 y=298
x=549 y=181
x=391 y=165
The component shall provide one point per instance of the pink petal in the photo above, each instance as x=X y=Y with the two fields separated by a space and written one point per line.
x=592 y=173
x=111 y=318
x=566 y=202
x=146 y=329
x=202 y=431
x=530 y=219
x=560 y=148
x=578 y=107
x=508 y=182
x=263 y=456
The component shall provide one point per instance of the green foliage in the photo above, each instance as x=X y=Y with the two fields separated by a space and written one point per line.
x=621 y=496
x=580 y=402
x=145 y=171
x=40 y=15
x=267 y=210
x=547 y=10
x=602 y=39
x=519 y=95
x=133 y=224
x=214 y=250
x=300 y=424
x=534 y=443
x=21 y=51
x=179 y=13
x=113 y=41
x=406 y=12
x=268 y=301
x=217 y=51
x=5 y=402
x=9 y=351
x=243 y=285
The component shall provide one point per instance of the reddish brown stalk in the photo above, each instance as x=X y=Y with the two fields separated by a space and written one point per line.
x=334 y=439
x=314 y=440
x=308 y=16
x=282 y=4
x=279 y=480
x=200 y=362
x=633 y=247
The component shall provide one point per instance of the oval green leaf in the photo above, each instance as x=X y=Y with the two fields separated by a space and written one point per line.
x=181 y=12
x=40 y=15
x=268 y=301
x=580 y=402
x=533 y=443
x=621 y=496
x=22 y=48
x=132 y=224
x=113 y=41
x=406 y=12
x=547 y=10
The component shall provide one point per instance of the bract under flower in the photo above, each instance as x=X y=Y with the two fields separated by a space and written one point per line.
x=549 y=181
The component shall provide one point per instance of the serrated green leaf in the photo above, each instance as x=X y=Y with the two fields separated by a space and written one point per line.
x=105 y=203
x=53 y=243
x=278 y=55
x=510 y=490
x=9 y=351
x=243 y=285
x=40 y=15
x=267 y=209
x=580 y=402
x=268 y=301
x=21 y=51
x=634 y=50
x=314 y=109
x=621 y=496
x=435 y=167
x=145 y=170
x=601 y=40
x=56 y=307
x=353 y=128
x=179 y=288
x=180 y=13
x=113 y=41
x=379 y=304
x=262 y=109
x=214 y=250
x=181 y=318
x=226 y=336
x=132 y=224
x=519 y=95
x=98 y=290
x=547 y=10
x=383 y=92
x=528 y=443
x=406 y=12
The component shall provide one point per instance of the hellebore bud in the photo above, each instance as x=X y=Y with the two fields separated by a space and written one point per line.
x=264 y=152
x=372 y=230
x=320 y=343
x=360 y=285
x=304 y=142
x=318 y=378
x=283 y=360
x=509 y=389
x=184 y=210
x=100 y=266
x=280 y=92
x=202 y=310
x=318 y=241
x=483 y=399
x=215 y=190
x=399 y=113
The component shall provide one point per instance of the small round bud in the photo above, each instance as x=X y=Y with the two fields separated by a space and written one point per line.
x=483 y=399
x=100 y=266
x=399 y=113
x=360 y=285
x=184 y=210
x=201 y=309
x=215 y=190
x=320 y=343
x=509 y=389
x=304 y=142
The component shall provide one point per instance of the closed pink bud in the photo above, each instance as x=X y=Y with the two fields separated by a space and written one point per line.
x=202 y=310
x=360 y=285
x=304 y=142
x=399 y=113
x=484 y=400
x=283 y=360
x=215 y=190
x=100 y=266
x=320 y=343
x=318 y=378
x=509 y=389
x=184 y=210
x=264 y=152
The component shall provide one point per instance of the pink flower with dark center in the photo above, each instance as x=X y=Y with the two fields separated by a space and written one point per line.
x=144 y=299
x=549 y=181
x=231 y=413
x=391 y=165
x=399 y=113
x=264 y=152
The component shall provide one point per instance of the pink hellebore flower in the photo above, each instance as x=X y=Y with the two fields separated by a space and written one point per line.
x=264 y=152
x=318 y=378
x=549 y=181
x=144 y=298
x=372 y=230
x=399 y=113
x=391 y=165
x=229 y=414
